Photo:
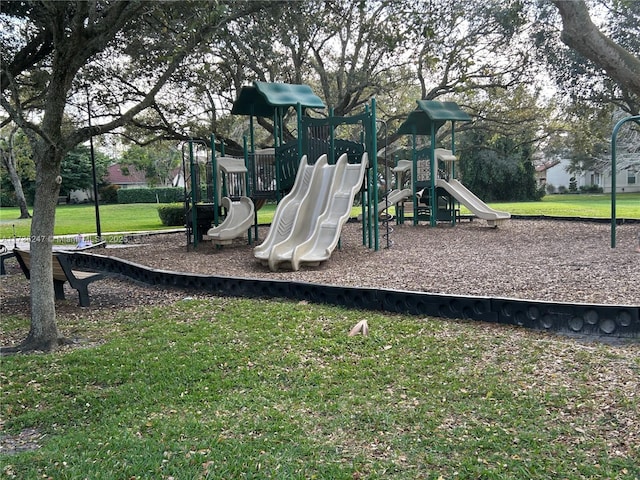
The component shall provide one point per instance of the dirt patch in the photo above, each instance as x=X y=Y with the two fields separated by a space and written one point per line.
x=524 y=259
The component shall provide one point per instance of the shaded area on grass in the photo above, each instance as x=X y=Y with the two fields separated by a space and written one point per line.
x=221 y=388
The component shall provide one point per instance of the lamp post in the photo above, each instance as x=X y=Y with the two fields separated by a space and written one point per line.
x=93 y=171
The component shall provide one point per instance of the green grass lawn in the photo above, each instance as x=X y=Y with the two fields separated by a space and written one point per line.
x=74 y=219
x=232 y=388
x=596 y=206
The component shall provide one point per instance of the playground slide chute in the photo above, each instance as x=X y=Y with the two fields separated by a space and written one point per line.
x=393 y=197
x=347 y=181
x=239 y=219
x=396 y=195
x=307 y=213
x=288 y=207
x=473 y=203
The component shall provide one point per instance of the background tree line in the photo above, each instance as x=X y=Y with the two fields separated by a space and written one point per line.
x=490 y=57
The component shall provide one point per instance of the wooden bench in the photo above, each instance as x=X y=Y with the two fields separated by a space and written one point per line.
x=62 y=272
x=4 y=254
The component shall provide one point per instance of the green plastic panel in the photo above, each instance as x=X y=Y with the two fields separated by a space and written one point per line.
x=443 y=110
x=262 y=98
x=251 y=102
x=431 y=112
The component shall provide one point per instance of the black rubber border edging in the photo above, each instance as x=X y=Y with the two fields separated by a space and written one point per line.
x=614 y=321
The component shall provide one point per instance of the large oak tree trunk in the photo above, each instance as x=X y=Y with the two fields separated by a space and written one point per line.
x=44 y=334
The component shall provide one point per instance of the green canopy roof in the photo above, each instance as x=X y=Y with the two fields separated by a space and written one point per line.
x=262 y=98
x=432 y=112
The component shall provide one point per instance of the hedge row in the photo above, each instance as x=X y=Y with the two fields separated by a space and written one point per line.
x=151 y=195
x=172 y=214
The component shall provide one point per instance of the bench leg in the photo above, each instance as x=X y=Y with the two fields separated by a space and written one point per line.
x=83 y=293
x=58 y=288
x=3 y=257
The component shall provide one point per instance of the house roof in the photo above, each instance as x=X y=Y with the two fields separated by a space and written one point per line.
x=547 y=165
x=116 y=177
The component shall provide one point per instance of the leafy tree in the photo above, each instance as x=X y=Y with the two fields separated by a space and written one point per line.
x=395 y=50
x=467 y=46
x=17 y=163
x=496 y=155
x=496 y=169
x=347 y=58
x=598 y=66
x=587 y=143
x=595 y=64
x=582 y=35
x=157 y=161
x=76 y=43
x=76 y=169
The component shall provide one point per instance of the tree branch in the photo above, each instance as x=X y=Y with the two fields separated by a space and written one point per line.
x=580 y=34
x=37 y=49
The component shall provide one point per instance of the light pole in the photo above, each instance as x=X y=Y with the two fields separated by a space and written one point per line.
x=93 y=171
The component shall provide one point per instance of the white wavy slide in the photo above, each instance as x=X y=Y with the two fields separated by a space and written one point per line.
x=318 y=247
x=239 y=219
x=473 y=203
x=310 y=208
x=287 y=209
x=397 y=195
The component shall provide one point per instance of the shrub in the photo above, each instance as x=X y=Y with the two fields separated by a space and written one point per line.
x=172 y=215
x=151 y=195
x=591 y=189
x=562 y=189
x=573 y=185
x=8 y=199
x=551 y=188
x=109 y=194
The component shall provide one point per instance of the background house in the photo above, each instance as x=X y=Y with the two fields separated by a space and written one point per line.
x=627 y=179
x=541 y=171
x=133 y=178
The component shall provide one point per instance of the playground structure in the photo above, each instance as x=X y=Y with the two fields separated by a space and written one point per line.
x=315 y=178
x=224 y=187
x=238 y=220
x=231 y=184
x=435 y=192
x=215 y=190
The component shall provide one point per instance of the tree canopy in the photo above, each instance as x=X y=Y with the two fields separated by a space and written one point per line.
x=68 y=49
x=598 y=64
